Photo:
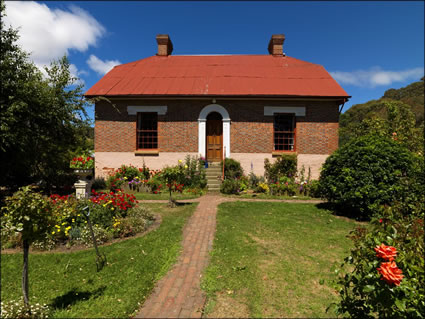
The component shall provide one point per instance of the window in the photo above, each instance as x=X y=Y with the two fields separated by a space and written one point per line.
x=284 y=132
x=147 y=130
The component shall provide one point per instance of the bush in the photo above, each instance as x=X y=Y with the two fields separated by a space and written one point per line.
x=254 y=180
x=367 y=172
x=230 y=186
x=284 y=166
x=99 y=183
x=232 y=168
x=367 y=290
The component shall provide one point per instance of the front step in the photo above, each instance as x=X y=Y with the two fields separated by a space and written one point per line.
x=213 y=174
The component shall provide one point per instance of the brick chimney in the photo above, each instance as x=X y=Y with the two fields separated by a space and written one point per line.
x=276 y=44
x=165 y=46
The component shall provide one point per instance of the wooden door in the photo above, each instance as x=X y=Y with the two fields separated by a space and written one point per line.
x=214 y=137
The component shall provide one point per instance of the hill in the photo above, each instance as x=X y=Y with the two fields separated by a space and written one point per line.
x=411 y=95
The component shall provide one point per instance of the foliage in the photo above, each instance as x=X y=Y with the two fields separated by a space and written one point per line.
x=285 y=165
x=262 y=188
x=400 y=111
x=82 y=162
x=194 y=173
x=99 y=183
x=230 y=186
x=16 y=309
x=367 y=290
x=254 y=180
x=28 y=213
x=41 y=116
x=171 y=176
x=365 y=173
x=232 y=168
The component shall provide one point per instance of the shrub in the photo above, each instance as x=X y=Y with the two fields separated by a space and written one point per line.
x=194 y=173
x=366 y=173
x=314 y=189
x=99 y=183
x=285 y=165
x=254 y=180
x=100 y=234
x=230 y=186
x=262 y=188
x=232 y=168
x=371 y=289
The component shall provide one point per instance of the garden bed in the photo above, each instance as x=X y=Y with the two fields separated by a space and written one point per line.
x=70 y=285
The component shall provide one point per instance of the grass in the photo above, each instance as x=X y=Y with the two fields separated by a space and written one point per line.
x=274 y=260
x=70 y=285
x=268 y=196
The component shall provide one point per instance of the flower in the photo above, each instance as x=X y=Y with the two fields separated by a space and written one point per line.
x=386 y=252
x=391 y=273
x=180 y=161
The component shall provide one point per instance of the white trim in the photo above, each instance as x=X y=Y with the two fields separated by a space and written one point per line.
x=271 y=110
x=134 y=109
x=202 y=127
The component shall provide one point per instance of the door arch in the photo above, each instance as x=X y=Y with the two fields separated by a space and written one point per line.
x=202 y=128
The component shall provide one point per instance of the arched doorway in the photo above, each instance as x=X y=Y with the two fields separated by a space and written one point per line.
x=214 y=137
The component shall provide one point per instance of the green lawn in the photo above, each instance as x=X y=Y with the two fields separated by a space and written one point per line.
x=274 y=260
x=268 y=196
x=69 y=283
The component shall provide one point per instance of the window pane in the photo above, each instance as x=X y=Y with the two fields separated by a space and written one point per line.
x=147 y=131
x=284 y=132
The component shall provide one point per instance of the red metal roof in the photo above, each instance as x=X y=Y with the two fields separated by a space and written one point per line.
x=229 y=75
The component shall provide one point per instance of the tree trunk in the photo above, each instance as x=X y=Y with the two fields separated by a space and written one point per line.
x=25 y=273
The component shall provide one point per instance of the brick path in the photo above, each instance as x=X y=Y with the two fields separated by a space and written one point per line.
x=178 y=294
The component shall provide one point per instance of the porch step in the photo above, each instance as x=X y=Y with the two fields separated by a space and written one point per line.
x=213 y=174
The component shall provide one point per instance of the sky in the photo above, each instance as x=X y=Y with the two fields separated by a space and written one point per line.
x=368 y=47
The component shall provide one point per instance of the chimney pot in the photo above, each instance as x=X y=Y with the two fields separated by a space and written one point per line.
x=165 y=46
x=276 y=44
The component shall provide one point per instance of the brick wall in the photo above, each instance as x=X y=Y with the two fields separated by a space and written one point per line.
x=251 y=131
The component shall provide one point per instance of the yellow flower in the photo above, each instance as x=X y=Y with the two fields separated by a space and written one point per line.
x=180 y=161
x=57 y=226
x=104 y=205
x=63 y=223
x=69 y=227
x=137 y=177
x=112 y=208
x=125 y=177
x=59 y=230
x=79 y=215
x=53 y=232
x=73 y=220
x=185 y=166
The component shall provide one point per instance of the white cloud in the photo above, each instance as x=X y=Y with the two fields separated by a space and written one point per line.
x=49 y=34
x=101 y=67
x=376 y=76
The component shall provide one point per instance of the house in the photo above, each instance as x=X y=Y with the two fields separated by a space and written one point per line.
x=247 y=107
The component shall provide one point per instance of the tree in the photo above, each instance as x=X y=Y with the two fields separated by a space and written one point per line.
x=30 y=214
x=43 y=118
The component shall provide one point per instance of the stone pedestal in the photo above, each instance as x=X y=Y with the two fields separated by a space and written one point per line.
x=83 y=186
x=82 y=189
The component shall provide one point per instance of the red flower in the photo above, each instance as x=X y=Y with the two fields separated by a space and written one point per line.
x=391 y=273
x=386 y=252
x=380 y=220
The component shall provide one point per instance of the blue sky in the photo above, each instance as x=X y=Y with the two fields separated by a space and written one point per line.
x=368 y=47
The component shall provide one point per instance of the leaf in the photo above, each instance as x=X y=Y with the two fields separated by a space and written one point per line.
x=321 y=281
x=400 y=304
x=368 y=288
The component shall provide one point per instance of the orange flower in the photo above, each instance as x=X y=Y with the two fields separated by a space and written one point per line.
x=391 y=273
x=386 y=252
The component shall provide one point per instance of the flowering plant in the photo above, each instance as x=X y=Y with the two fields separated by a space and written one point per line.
x=372 y=282
x=82 y=162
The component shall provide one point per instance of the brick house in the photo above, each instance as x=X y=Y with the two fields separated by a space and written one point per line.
x=247 y=107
